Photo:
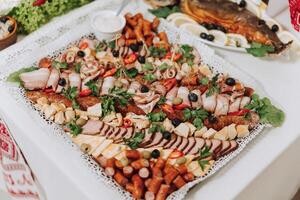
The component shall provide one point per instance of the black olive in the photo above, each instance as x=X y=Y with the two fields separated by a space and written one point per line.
x=210 y=37
x=212 y=119
x=134 y=47
x=115 y=53
x=176 y=122
x=142 y=59
x=275 y=28
x=167 y=135
x=193 y=97
x=221 y=28
x=62 y=82
x=203 y=36
x=211 y=26
x=155 y=153
x=10 y=29
x=243 y=4
x=3 y=19
x=144 y=89
x=261 y=22
x=205 y=24
x=80 y=54
x=230 y=81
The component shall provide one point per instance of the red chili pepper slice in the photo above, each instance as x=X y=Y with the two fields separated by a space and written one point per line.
x=131 y=58
x=239 y=113
x=169 y=83
x=110 y=72
x=167 y=108
x=45 y=63
x=176 y=57
x=83 y=45
x=127 y=123
x=39 y=2
x=176 y=154
x=85 y=93
x=180 y=106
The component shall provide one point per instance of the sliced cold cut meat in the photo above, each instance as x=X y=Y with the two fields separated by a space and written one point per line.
x=104 y=129
x=92 y=127
x=191 y=144
x=235 y=105
x=120 y=134
x=171 y=142
x=222 y=105
x=200 y=143
x=176 y=143
x=208 y=144
x=147 y=139
x=225 y=147
x=114 y=133
x=183 y=144
x=233 y=146
x=156 y=140
x=216 y=145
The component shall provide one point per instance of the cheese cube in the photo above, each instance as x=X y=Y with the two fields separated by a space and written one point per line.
x=232 y=133
x=101 y=148
x=222 y=134
x=95 y=110
x=242 y=131
x=191 y=127
x=112 y=150
x=209 y=134
x=182 y=130
x=200 y=132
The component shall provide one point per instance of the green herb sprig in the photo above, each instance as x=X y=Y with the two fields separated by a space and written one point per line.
x=134 y=142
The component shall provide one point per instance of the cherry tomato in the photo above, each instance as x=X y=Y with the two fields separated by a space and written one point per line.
x=239 y=113
x=45 y=63
x=85 y=93
x=176 y=57
x=83 y=45
x=38 y=2
x=180 y=106
x=169 y=83
x=127 y=123
x=110 y=72
x=167 y=108
x=131 y=58
x=176 y=154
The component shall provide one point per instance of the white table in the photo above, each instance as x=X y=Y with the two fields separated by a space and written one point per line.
x=267 y=169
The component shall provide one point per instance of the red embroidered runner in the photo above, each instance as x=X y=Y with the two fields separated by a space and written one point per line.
x=295 y=13
x=18 y=179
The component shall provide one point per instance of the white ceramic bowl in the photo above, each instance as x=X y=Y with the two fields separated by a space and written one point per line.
x=105 y=30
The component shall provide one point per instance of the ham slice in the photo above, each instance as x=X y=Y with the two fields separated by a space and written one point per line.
x=108 y=83
x=176 y=143
x=92 y=127
x=156 y=140
x=104 y=129
x=114 y=133
x=209 y=102
x=75 y=80
x=147 y=139
x=171 y=141
x=225 y=147
x=183 y=144
x=183 y=93
x=222 y=105
x=36 y=79
x=171 y=95
x=235 y=105
x=233 y=146
x=53 y=79
x=191 y=144
x=216 y=145
x=199 y=145
x=120 y=134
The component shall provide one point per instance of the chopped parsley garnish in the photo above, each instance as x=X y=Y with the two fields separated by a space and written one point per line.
x=107 y=105
x=156 y=117
x=93 y=87
x=198 y=115
x=162 y=100
x=203 y=163
x=156 y=128
x=214 y=88
x=187 y=54
x=150 y=77
x=198 y=123
x=74 y=128
x=77 y=67
x=101 y=46
x=118 y=73
x=71 y=93
x=157 y=52
x=163 y=67
x=205 y=152
x=147 y=67
x=268 y=113
x=164 y=12
x=134 y=142
x=260 y=50
x=204 y=81
x=112 y=44
x=121 y=96
x=59 y=65
x=131 y=73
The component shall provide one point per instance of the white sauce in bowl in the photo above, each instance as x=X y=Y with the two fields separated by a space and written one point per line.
x=108 y=22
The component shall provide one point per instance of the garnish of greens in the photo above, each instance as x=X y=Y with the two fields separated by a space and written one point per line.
x=93 y=87
x=161 y=101
x=163 y=67
x=150 y=77
x=131 y=73
x=213 y=88
x=198 y=115
x=59 y=65
x=77 y=67
x=134 y=141
x=187 y=54
x=204 y=81
x=147 y=67
x=157 y=52
x=260 y=50
x=116 y=95
x=71 y=93
x=156 y=128
x=101 y=46
x=74 y=128
x=164 y=12
x=204 y=154
x=15 y=77
x=157 y=117
x=268 y=113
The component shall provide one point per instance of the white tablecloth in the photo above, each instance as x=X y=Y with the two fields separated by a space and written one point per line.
x=267 y=169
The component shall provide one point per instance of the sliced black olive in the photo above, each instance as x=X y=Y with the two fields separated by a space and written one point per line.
x=10 y=29
x=221 y=28
x=3 y=19
x=155 y=153
x=176 y=122
x=134 y=47
x=261 y=22
x=210 y=26
x=80 y=54
x=203 y=36
x=142 y=59
x=205 y=24
x=212 y=119
x=275 y=28
x=167 y=135
x=62 y=82
x=193 y=97
x=230 y=81
x=210 y=37
x=242 y=4
x=115 y=53
x=144 y=89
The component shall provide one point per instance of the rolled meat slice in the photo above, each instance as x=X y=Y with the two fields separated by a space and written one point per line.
x=75 y=80
x=53 y=79
x=245 y=101
x=134 y=87
x=222 y=105
x=209 y=102
x=235 y=105
x=198 y=103
x=171 y=95
x=36 y=79
x=108 y=83
x=183 y=93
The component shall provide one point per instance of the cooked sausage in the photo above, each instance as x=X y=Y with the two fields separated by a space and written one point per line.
x=120 y=179
x=155 y=184
x=189 y=177
x=109 y=171
x=138 y=164
x=179 y=182
x=101 y=160
x=182 y=169
x=128 y=171
x=163 y=191
x=132 y=154
x=138 y=185
x=144 y=172
x=149 y=195
x=160 y=163
x=170 y=175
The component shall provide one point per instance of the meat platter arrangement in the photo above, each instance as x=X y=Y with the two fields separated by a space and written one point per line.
x=151 y=113
x=236 y=25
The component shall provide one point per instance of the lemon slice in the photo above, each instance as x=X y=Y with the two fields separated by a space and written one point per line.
x=178 y=21
x=253 y=8
x=286 y=37
x=237 y=40
x=270 y=22
x=220 y=37
x=195 y=29
x=174 y=15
